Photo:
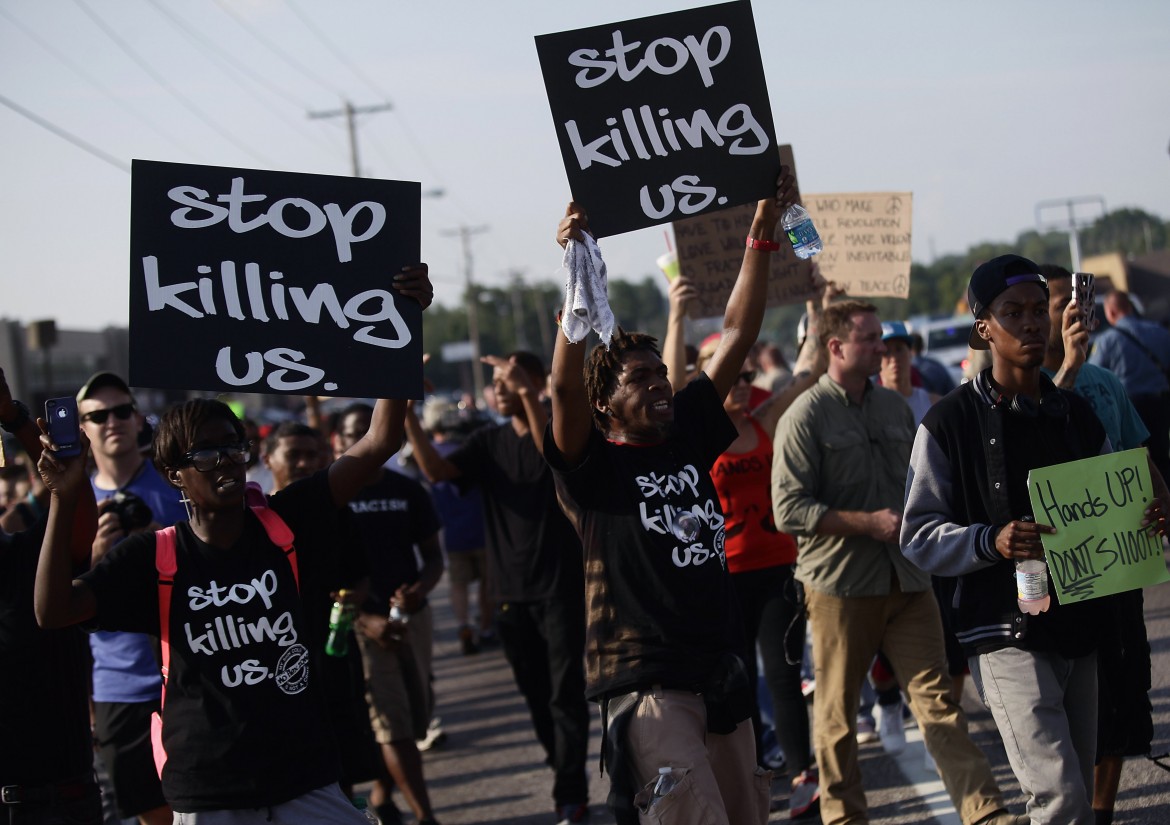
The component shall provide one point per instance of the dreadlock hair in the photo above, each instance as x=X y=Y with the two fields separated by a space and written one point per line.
x=603 y=365
x=837 y=319
x=176 y=430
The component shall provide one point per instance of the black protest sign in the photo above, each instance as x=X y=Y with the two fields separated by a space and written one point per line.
x=662 y=117
x=244 y=280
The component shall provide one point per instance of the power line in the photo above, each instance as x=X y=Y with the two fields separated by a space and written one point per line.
x=336 y=52
x=92 y=80
x=230 y=62
x=61 y=133
x=291 y=61
x=146 y=67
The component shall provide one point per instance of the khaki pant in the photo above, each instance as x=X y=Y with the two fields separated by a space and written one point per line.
x=722 y=783
x=847 y=633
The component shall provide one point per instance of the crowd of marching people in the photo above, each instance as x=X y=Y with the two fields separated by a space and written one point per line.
x=653 y=529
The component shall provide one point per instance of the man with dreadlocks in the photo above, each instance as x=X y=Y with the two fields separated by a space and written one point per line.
x=662 y=627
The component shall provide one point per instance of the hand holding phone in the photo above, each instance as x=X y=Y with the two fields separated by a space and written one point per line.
x=64 y=430
x=1085 y=296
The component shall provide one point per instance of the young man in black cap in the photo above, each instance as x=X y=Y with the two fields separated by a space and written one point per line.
x=968 y=515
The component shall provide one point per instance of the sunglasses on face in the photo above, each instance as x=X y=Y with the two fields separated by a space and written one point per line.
x=209 y=458
x=121 y=412
x=747 y=377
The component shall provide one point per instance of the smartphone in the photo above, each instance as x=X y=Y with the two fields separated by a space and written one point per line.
x=1085 y=294
x=61 y=414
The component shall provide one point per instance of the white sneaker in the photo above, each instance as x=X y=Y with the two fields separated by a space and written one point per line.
x=890 y=729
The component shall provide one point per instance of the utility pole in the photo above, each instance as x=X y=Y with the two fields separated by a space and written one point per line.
x=517 y=290
x=349 y=112
x=464 y=233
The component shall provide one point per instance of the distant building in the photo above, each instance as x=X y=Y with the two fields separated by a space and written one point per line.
x=1147 y=276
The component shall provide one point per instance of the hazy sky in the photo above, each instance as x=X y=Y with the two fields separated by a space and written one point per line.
x=982 y=110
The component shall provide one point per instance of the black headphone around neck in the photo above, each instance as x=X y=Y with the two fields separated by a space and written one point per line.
x=1052 y=404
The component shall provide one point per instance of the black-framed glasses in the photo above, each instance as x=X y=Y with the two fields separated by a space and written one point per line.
x=121 y=412
x=209 y=458
x=747 y=376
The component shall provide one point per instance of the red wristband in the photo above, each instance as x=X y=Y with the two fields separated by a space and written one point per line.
x=763 y=245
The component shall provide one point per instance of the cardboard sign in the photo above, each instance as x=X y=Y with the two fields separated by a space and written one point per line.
x=1097 y=505
x=866 y=237
x=710 y=253
x=662 y=117
x=272 y=282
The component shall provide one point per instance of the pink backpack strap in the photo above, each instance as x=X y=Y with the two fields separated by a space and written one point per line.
x=279 y=533
x=166 y=564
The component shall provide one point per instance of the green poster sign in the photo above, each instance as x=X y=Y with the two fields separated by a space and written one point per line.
x=1097 y=506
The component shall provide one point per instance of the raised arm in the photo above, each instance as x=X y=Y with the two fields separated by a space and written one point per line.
x=674 y=346
x=811 y=361
x=59 y=600
x=434 y=467
x=15 y=419
x=745 y=308
x=349 y=473
x=572 y=419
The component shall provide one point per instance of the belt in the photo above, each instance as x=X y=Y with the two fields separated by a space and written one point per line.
x=45 y=794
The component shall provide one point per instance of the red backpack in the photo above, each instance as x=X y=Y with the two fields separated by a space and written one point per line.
x=166 y=563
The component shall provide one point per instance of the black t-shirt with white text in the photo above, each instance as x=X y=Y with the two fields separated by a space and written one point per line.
x=660 y=609
x=244 y=721
x=391 y=516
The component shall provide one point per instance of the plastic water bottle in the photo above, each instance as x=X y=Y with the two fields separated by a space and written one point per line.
x=1032 y=586
x=803 y=236
x=363 y=807
x=340 y=622
x=665 y=784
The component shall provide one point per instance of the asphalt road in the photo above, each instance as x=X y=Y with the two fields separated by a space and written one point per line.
x=490 y=770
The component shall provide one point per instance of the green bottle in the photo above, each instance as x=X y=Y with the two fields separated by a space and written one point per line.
x=340 y=622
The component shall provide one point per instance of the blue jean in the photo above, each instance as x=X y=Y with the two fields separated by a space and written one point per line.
x=1045 y=707
x=773 y=614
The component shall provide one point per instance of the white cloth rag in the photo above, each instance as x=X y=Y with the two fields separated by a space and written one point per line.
x=586 y=297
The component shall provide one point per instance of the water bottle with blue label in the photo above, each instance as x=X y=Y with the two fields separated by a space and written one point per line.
x=802 y=234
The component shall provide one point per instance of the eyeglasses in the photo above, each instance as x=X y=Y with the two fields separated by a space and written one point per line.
x=209 y=458
x=121 y=412
x=747 y=377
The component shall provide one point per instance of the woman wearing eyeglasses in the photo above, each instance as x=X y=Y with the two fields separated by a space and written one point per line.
x=245 y=727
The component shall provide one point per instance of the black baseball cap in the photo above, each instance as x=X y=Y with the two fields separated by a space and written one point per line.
x=102 y=379
x=993 y=277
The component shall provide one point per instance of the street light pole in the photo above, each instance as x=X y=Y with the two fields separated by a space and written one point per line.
x=1071 y=223
x=464 y=233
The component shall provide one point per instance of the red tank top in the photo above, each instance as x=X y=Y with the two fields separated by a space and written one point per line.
x=744 y=484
